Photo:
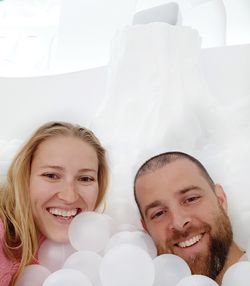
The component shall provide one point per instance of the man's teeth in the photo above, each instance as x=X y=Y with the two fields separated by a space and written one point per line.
x=64 y=213
x=190 y=242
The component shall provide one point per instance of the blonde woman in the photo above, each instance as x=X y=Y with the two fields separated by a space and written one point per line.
x=60 y=172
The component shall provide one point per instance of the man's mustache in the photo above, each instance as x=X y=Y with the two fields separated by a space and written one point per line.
x=189 y=232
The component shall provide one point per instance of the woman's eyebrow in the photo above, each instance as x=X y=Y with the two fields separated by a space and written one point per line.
x=52 y=167
x=88 y=170
x=60 y=168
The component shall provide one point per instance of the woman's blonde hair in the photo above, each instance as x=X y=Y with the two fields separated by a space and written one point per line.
x=21 y=235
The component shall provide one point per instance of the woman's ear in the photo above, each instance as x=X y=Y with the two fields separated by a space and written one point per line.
x=221 y=196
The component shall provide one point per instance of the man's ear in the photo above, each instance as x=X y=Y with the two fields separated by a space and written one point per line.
x=221 y=196
x=144 y=224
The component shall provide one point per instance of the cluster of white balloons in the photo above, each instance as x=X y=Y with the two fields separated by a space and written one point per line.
x=100 y=253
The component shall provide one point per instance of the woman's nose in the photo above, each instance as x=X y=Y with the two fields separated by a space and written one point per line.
x=68 y=193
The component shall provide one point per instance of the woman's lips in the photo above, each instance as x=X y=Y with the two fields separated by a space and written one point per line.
x=63 y=215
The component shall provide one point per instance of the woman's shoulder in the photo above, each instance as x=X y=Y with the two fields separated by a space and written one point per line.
x=8 y=267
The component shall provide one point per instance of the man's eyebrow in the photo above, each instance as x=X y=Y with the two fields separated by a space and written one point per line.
x=152 y=205
x=180 y=192
x=188 y=189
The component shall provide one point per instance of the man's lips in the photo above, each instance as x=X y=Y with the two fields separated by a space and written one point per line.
x=190 y=241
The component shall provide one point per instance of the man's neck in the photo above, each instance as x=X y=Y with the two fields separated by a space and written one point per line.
x=234 y=255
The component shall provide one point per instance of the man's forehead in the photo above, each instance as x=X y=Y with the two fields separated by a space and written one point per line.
x=175 y=175
x=177 y=166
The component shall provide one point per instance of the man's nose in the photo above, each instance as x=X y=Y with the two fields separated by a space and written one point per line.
x=180 y=219
x=68 y=193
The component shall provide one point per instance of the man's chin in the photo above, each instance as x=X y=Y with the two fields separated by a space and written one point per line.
x=198 y=264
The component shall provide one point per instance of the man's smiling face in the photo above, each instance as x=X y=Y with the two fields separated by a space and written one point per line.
x=186 y=216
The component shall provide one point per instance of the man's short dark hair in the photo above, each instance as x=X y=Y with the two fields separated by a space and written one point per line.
x=160 y=160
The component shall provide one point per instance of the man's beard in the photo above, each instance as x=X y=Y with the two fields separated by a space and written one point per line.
x=210 y=262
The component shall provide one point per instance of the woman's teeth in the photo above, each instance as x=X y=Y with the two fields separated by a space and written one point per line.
x=190 y=242
x=63 y=213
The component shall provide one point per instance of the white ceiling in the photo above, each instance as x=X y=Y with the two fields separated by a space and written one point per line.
x=30 y=34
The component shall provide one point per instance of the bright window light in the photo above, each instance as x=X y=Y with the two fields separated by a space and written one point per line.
x=27 y=29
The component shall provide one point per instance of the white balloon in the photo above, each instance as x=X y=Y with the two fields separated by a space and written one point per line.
x=197 y=280
x=123 y=212
x=89 y=231
x=127 y=227
x=241 y=222
x=111 y=222
x=170 y=269
x=125 y=237
x=151 y=248
x=66 y=277
x=248 y=250
x=33 y=275
x=52 y=254
x=237 y=275
x=127 y=265
x=88 y=262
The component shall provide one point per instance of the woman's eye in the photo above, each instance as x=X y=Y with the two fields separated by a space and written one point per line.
x=51 y=176
x=86 y=179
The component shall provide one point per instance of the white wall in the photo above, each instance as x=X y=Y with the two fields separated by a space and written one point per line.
x=28 y=33
x=238 y=21
x=26 y=103
x=237 y=16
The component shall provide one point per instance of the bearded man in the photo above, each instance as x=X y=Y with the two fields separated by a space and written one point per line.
x=185 y=213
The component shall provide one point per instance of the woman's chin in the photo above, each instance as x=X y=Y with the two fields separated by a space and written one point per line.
x=59 y=236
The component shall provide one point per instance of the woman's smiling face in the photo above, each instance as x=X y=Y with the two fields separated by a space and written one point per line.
x=63 y=182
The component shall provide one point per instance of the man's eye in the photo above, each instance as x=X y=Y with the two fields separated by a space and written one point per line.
x=86 y=179
x=158 y=214
x=192 y=199
x=51 y=176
